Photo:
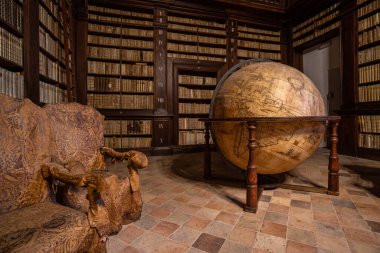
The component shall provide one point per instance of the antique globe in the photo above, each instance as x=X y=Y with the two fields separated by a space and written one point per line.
x=267 y=89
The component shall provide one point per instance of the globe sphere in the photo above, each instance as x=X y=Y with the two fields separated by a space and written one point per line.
x=267 y=89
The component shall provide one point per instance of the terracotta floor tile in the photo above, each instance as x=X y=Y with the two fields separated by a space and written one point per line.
x=361 y=236
x=146 y=222
x=301 y=197
x=328 y=229
x=276 y=218
x=217 y=205
x=249 y=222
x=242 y=235
x=356 y=192
x=227 y=218
x=178 y=217
x=231 y=246
x=183 y=197
x=300 y=204
x=188 y=208
x=331 y=243
x=301 y=222
x=209 y=243
x=218 y=228
x=165 y=228
x=296 y=247
x=270 y=243
x=265 y=198
x=160 y=212
x=363 y=248
x=207 y=213
x=195 y=250
x=343 y=203
x=148 y=240
x=115 y=245
x=198 y=201
x=278 y=208
x=197 y=223
x=280 y=201
x=369 y=212
x=159 y=200
x=301 y=235
x=282 y=194
x=185 y=235
x=325 y=217
x=273 y=229
x=130 y=233
x=130 y=249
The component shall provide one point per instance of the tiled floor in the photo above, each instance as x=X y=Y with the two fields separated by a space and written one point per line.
x=183 y=213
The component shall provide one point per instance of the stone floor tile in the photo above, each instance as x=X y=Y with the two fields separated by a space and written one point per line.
x=356 y=192
x=300 y=204
x=115 y=245
x=273 y=229
x=276 y=218
x=265 y=198
x=296 y=247
x=188 y=208
x=197 y=223
x=183 y=197
x=218 y=228
x=301 y=235
x=227 y=218
x=159 y=200
x=361 y=236
x=207 y=213
x=242 y=235
x=130 y=233
x=328 y=229
x=146 y=222
x=198 y=201
x=209 y=243
x=249 y=222
x=160 y=212
x=165 y=228
x=280 y=201
x=217 y=205
x=369 y=212
x=231 y=246
x=130 y=249
x=325 y=217
x=301 y=197
x=195 y=250
x=185 y=235
x=270 y=243
x=343 y=203
x=148 y=240
x=363 y=248
x=375 y=226
x=178 y=217
x=282 y=194
x=301 y=222
x=278 y=208
x=331 y=243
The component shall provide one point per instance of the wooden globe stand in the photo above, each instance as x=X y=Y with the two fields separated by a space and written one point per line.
x=252 y=193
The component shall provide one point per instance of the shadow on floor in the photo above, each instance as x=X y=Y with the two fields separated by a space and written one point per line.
x=366 y=177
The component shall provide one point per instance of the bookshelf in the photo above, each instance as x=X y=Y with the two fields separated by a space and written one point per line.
x=120 y=75
x=368 y=48
x=11 y=48
x=258 y=42
x=196 y=38
x=325 y=22
x=55 y=52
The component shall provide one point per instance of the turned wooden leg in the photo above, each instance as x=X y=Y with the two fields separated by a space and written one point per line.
x=251 y=204
x=333 y=185
x=207 y=165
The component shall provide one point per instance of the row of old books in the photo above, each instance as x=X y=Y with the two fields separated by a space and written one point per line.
x=369 y=141
x=274 y=2
x=315 y=18
x=49 y=44
x=11 y=83
x=52 y=6
x=127 y=127
x=259 y=37
x=317 y=33
x=109 y=68
x=120 y=54
x=51 y=69
x=127 y=142
x=369 y=93
x=116 y=101
x=10 y=47
x=371 y=21
x=196 y=38
x=245 y=28
x=11 y=13
x=51 y=94
x=193 y=137
x=194 y=94
x=48 y=20
x=369 y=123
x=194 y=22
x=121 y=12
x=196 y=57
x=196 y=49
x=368 y=55
x=112 y=84
x=120 y=30
x=369 y=73
x=119 y=20
x=119 y=42
x=196 y=80
x=371 y=6
x=258 y=54
x=369 y=36
x=190 y=123
x=196 y=29
x=192 y=108
x=259 y=45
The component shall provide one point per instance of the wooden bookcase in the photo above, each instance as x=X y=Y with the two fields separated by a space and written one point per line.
x=11 y=48
x=120 y=56
x=368 y=95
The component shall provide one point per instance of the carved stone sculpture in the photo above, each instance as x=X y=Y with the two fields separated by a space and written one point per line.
x=42 y=148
